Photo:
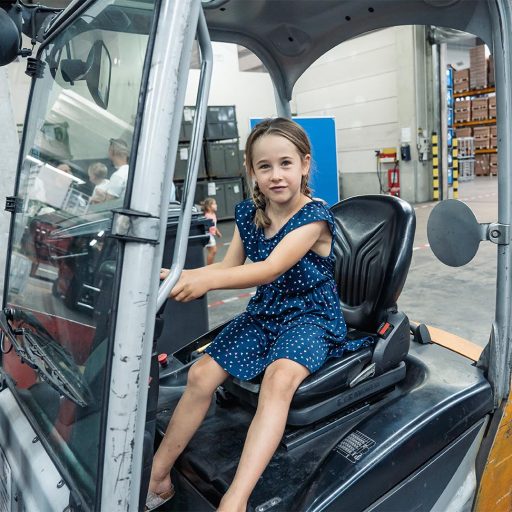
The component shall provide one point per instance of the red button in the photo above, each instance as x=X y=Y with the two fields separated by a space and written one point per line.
x=162 y=358
x=384 y=328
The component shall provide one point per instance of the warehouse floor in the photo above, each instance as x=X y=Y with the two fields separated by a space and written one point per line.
x=458 y=300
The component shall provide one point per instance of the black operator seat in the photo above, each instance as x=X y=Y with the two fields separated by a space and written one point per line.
x=373 y=249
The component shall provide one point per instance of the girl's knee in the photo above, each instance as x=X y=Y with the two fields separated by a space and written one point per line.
x=205 y=376
x=283 y=378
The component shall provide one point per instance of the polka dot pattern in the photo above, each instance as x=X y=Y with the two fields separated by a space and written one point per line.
x=296 y=317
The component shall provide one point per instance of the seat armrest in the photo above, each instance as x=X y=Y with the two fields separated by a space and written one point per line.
x=392 y=348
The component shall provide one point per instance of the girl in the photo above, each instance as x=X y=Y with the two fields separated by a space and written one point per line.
x=292 y=324
x=210 y=212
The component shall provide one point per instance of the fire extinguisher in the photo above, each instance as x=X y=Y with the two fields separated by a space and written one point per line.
x=394 y=181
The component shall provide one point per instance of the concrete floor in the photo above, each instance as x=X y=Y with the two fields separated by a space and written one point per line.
x=458 y=300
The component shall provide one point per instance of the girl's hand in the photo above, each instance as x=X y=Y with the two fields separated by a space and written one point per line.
x=164 y=272
x=217 y=233
x=191 y=285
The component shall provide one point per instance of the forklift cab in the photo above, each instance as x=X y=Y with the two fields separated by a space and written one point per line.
x=398 y=426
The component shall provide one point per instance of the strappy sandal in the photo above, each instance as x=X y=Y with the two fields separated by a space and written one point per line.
x=155 y=500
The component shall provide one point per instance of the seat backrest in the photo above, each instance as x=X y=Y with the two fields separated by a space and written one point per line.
x=373 y=249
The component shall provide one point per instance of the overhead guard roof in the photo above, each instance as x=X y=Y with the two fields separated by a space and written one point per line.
x=289 y=35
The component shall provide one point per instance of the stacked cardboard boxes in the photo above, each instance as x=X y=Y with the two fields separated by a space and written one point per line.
x=482 y=165
x=461 y=80
x=478 y=68
x=479 y=109
x=494 y=137
x=490 y=72
x=482 y=135
x=463 y=132
x=492 y=107
x=493 y=164
x=462 y=110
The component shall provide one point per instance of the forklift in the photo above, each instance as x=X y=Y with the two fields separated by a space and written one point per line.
x=414 y=422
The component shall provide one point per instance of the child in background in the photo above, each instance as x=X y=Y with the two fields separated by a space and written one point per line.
x=292 y=324
x=98 y=173
x=210 y=212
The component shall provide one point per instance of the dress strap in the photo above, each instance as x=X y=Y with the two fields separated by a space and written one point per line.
x=311 y=212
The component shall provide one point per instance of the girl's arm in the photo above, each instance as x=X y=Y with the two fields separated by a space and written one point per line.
x=235 y=256
x=288 y=252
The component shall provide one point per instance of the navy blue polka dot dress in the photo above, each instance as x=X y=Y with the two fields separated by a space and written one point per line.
x=297 y=317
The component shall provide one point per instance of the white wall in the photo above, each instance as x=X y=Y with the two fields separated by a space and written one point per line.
x=251 y=92
x=369 y=85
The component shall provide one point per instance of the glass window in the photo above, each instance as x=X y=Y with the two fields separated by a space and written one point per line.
x=76 y=162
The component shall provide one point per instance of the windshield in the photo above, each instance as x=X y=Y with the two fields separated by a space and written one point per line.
x=74 y=172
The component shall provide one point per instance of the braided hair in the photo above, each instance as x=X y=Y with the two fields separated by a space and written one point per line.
x=297 y=136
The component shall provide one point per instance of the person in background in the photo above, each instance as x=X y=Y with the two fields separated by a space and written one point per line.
x=210 y=212
x=98 y=175
x=118 y=153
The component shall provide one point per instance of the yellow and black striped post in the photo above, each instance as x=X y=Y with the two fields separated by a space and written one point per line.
x=435 y=167
x=455 y=167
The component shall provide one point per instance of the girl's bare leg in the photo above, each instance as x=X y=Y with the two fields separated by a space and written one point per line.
x=203 y=379
x=212 y=251
x=281 y=380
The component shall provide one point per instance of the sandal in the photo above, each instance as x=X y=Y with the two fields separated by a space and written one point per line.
x=155 y=500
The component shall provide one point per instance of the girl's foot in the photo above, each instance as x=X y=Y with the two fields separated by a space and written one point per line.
x=155 y=500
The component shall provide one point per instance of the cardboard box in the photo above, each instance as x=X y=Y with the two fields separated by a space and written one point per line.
x=490 y=72
x=493 y=141
x=462 y=105
x=481 y=131
x=462 y=116
x=493 y=130
x=482 y=137
x=461 y=75
x=482 y=165
x=493 y=164
x=463 y=132
x=478 y=68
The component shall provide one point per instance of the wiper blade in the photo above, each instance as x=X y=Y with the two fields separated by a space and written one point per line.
x=52 y=361
x=56 y=366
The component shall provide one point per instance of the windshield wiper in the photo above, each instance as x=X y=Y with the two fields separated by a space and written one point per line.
x=52 y=361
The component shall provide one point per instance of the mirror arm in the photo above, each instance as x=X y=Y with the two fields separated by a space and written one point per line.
x=497 y=233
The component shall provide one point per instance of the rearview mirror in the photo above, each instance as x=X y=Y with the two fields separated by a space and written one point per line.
x=96 y=72
x=98 y=76
x=454 y=233
x=10 y=39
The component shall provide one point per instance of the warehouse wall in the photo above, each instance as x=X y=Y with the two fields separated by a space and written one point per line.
x=376 y=87
x=251 y=92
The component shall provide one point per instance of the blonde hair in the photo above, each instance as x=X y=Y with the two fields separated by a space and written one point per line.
x=207 y=204
x=290 y=131
x=98 y=170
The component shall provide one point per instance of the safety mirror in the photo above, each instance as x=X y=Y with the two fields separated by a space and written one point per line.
x=96 y=71
x=10 y=39
x=454 y=233
x=98 y=75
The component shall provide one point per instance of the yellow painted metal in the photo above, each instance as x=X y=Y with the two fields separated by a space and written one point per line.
x=495 y=489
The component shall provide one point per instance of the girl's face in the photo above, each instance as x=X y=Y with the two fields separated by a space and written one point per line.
x=213 y=206
x=278 y=168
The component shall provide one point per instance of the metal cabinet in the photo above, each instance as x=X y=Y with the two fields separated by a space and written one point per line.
x=223 y=159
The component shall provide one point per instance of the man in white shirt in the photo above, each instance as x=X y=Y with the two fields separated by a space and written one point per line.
x=118 y=153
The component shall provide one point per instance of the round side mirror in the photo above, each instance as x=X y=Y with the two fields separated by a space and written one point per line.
x=453 y=233
x=10 y=39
